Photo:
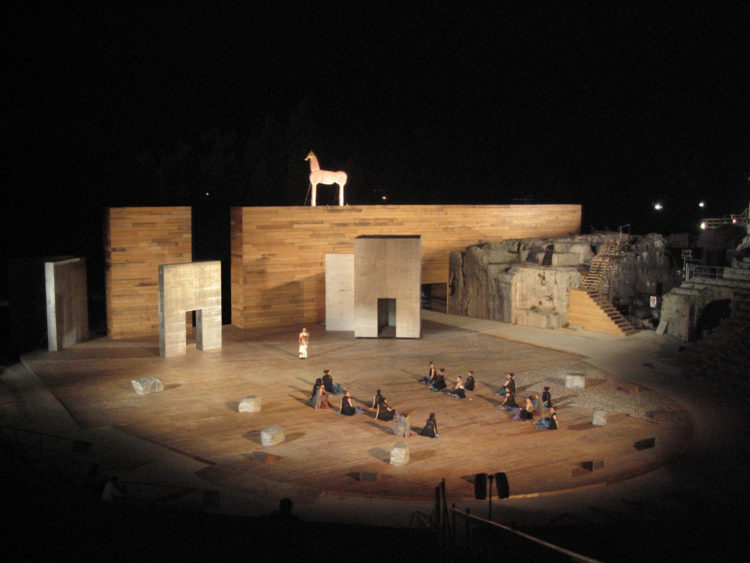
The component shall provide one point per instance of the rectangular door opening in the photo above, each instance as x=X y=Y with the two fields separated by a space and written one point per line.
x=386 y=318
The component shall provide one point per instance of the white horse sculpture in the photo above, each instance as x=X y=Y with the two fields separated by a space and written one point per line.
x=318 y=176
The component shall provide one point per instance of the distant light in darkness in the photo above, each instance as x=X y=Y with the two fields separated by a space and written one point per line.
x=658 y=206
x=702 y=204
x=703 y=226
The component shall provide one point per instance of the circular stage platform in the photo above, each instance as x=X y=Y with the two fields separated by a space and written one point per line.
x=324 y=453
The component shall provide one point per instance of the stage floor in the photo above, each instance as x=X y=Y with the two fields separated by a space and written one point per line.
x=196 y=414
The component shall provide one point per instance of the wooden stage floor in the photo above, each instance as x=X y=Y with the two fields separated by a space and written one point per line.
x=196 y=414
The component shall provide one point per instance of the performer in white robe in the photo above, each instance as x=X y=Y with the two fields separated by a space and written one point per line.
x=304 y=340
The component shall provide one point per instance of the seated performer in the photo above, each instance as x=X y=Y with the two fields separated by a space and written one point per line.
x=527 y=412
x=509 y=403
x=431 y=376
x=469 y=385
x=457 y=391
x=319 y=400
x=402 y=428
x=383 y=411
x=508 y=386
x=347 y=408
x=331 y=387
x=549 y=422
x=439 y=384
x=546 y=398
x=430 y=427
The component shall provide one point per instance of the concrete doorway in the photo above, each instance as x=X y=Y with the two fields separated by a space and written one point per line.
x=386 y=318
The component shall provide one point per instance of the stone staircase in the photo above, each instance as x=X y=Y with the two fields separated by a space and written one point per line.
x=592 y=282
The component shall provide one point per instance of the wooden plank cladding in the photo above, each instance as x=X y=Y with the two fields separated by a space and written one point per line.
x=585 y=313
x=278 y=253
x=137 y=241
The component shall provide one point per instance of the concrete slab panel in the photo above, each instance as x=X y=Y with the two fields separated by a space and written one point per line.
x=387 y=267
x=189 y=287
x=67 y=302
x=339 y=291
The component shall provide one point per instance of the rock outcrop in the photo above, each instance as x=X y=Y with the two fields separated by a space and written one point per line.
x=506 y=280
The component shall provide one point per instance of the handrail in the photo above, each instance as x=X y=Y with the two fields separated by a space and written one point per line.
x=174 y=492
x=733 y=219
x=525 y=536
x=693 y=271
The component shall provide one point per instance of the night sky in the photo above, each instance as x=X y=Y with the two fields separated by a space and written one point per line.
x=600 y=105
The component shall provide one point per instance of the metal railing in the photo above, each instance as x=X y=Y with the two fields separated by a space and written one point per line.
x=505 y=538
x=482 y=539
x=694 y=272
x=734 y=219
x=140 y=492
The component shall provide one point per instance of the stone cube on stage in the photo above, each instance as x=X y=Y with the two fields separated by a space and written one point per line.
x=189 y=287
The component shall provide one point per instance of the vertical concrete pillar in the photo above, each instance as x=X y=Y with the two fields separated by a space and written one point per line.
x=67 y=302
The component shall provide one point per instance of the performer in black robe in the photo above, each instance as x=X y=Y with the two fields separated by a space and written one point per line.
x=430 y=427
x=469 y=385
x=431 y=376
x=383 y=411
x=440 y=384
x=347 y=408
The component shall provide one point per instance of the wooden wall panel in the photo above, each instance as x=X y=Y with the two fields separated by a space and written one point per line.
x=137 y=241
x=278 y=253
x=585 y=313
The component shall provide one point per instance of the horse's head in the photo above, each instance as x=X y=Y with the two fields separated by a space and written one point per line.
x=310 y=155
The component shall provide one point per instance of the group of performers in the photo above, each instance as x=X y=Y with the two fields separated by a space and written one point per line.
x=435 y=380
x=325 y=387
x=532 y=404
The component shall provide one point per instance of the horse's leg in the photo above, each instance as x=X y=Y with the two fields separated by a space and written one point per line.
x=314 y=194
x=341 y=195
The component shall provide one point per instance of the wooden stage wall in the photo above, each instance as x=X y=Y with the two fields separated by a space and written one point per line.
x=138 y=240
x=278 y=253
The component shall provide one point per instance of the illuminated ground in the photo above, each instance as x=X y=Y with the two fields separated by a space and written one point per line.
x=196 y=415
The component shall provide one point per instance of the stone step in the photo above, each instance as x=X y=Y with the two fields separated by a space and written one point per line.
x=737 y=274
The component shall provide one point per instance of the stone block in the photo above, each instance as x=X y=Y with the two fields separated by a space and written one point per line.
x=146 y=385
x=272 y=435
x=400 y=454
x=599 y=417
x=249 y=404
x=575 y=381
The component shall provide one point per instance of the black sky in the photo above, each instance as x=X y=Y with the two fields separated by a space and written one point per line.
x=599 y=104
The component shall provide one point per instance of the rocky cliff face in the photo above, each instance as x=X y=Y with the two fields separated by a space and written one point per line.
x=506 y=280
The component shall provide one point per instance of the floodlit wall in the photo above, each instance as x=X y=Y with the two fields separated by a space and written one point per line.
x=67 y=302
x=339 y=292
x=189 y=287
x=387 y=267
x=278 y=253
x=137 y=241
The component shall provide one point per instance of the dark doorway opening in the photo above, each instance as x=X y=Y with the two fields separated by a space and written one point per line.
x=435 y=297
x=386 y=318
